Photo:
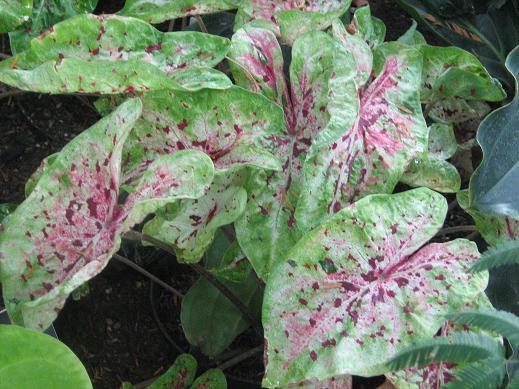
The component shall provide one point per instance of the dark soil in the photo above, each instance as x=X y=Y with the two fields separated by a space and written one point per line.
x=113 y=329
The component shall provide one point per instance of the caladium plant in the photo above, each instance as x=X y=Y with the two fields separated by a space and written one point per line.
x=301 y=155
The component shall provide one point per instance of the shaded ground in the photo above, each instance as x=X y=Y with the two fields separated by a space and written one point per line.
x=113 y=329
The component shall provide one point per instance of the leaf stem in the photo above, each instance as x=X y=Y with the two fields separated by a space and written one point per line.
x=456 y=229
x=201 y=24
x=137 y=236
x=239 y=358
x=146 y=273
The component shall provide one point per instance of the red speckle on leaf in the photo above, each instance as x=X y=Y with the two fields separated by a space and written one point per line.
x=183 y=124
x=313 y=356
x=152 y=48
x=302 y=301
x=440 y=277
x=337 y=303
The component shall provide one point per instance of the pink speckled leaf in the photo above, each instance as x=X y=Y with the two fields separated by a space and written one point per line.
x=65 y=232
x=111 y=54
x=267 y=228
x=338 y=382
x=434 y=376
x=230 y=126
x=362 y=286
x=290 y=19
x=191 y=225
x=366 y=151
x=158 y=11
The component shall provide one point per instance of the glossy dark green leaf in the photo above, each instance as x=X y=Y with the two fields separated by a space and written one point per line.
x=493 y=187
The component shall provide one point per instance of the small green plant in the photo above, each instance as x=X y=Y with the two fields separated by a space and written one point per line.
x=275 y=185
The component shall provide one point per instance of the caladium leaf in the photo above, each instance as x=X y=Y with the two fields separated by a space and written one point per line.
x=430 y=169
x=412 y=37
x=267 y=228
x=368 y=27
x=46 y=13
x=338 y=382
x=494 y=229
x=210 y=321
x=230 y=126
x=457 y=110
x=290 y=19
x=453 y=72
x=112 y=54
x=158 y=11
x=493 y=186
x=211 y=379
x=434 y=173
x=192 y=226
x=35 y=177
x=368 y=149
x=13 y=13
x=434 y=376
x=179 y=376
x=362 y=286
x=65 y=232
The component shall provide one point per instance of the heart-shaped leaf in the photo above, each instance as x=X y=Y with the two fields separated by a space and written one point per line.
x=29 y=358
x=364 y=285
x=191 y=227
x=158 y=11
x=493 y=186
x=13 y=13
x=290 y=19
x=230 y=126
x=211 y=379
x=369 y=28
x=369 y=145
x=113 y=54
x=46 y=13
x=65 y=232
x=267 y=227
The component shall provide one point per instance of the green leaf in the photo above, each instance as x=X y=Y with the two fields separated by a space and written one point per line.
x=433 y=173
x=412 y=37
x=490 y=35
x=6 y=210
x=368 y=27
x=493 y=184
x=211 y=379
x=442 y=141
x=65 y=232
x=494 y=229
x=459 y=347
x=336 y=382
x=457 y=110
x=503 y=323
x=233 y=127
x=46 y=13
x=179 y=376
x=210 y=321
x=32 y=360
x=13 y=13
x=191 y=228
x=232 y=265
x=35 y=177
x=267 y=228
x=290 y=19
x=363 y=284
x=504 y=253
x=453 y=72
x=158 y=11
x=113 y=54
x=369 y=142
